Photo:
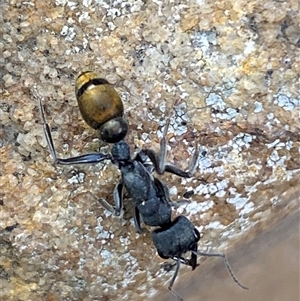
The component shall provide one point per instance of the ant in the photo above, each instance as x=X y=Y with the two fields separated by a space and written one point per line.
x=149 y=194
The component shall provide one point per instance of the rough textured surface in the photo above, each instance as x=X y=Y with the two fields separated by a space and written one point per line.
x=269 y=264
x=229 y=75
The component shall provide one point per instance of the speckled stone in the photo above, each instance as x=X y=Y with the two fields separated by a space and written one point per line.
x=228 y=75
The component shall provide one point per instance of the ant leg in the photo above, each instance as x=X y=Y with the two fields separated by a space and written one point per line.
x=179 y=203
x=163 y=149
x=159 y=160
x=118 y=199
x=168 y=266
x=142 y=157
x=137 y=220
x=107 y=206
x=226 y=262
x=46 y=127
x=165 y=195
x=193 y=259
x=83 y=159
x=163 y=191
x=174 y=293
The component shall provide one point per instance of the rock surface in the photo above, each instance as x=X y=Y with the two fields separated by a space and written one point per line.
x=228 y=74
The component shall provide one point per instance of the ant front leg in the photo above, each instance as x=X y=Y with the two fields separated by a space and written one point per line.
x=83 y=159
x=159 y=160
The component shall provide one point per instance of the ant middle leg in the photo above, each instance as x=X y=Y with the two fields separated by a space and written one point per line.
x=118 y=200
x=117 y=208
x=137 y=220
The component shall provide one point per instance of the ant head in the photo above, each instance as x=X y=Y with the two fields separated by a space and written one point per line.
x=113 y=130
x=120 y=151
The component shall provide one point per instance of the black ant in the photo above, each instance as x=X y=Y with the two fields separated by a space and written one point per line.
x=149 y=194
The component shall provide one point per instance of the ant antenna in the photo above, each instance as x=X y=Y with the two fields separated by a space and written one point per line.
x=226 y=262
